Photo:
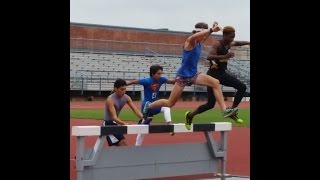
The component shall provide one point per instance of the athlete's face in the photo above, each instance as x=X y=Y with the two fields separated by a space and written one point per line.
x=229 y=37
x=120 y=91
x=157 y=75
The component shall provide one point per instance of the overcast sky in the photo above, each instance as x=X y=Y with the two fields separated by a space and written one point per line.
x=175 y=15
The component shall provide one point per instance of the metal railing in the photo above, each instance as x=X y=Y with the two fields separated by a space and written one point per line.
x=99 y=83
x=111 y=46
x=86 y=79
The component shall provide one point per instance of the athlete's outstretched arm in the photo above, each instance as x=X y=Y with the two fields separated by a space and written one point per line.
x=240 y=43
x=200 y=36
x=132 y=82
x=133 y=107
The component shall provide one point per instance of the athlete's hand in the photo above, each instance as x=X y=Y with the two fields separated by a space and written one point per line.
x=215 y=27
x=230 y=55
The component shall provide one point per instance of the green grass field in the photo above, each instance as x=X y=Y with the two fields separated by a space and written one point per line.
x=177 y=116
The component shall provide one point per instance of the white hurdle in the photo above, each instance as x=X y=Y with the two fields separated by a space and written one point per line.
x=152 y=161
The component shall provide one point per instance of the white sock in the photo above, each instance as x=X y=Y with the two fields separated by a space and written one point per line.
x=139 y=139
x=166 y=113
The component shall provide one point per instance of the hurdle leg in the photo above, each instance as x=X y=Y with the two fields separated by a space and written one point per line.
x=218 y=150
x=223 y=140
x=80 y=157
x=96 y=152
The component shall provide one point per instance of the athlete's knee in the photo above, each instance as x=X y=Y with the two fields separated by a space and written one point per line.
x=242 y=87
x=215 y=83
x=170 y=104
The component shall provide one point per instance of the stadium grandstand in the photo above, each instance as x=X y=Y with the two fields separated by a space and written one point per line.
x=99 y=54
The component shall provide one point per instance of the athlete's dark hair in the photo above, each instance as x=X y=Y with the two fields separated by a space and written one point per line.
x=154 y=69
x=119 y=82
x=202 y=25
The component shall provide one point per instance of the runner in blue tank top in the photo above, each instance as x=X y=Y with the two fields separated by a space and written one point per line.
x=151 y=88
x=188 y=75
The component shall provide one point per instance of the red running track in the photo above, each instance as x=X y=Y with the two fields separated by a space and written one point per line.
x=238 y=155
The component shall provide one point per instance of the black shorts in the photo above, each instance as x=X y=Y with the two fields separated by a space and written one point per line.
x=113 y=139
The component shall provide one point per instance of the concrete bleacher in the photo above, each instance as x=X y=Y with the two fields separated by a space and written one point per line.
x=240 y=69
x=94 y=67
x=97 y=71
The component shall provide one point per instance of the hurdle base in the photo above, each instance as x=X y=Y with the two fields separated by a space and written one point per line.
x=152 y=161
